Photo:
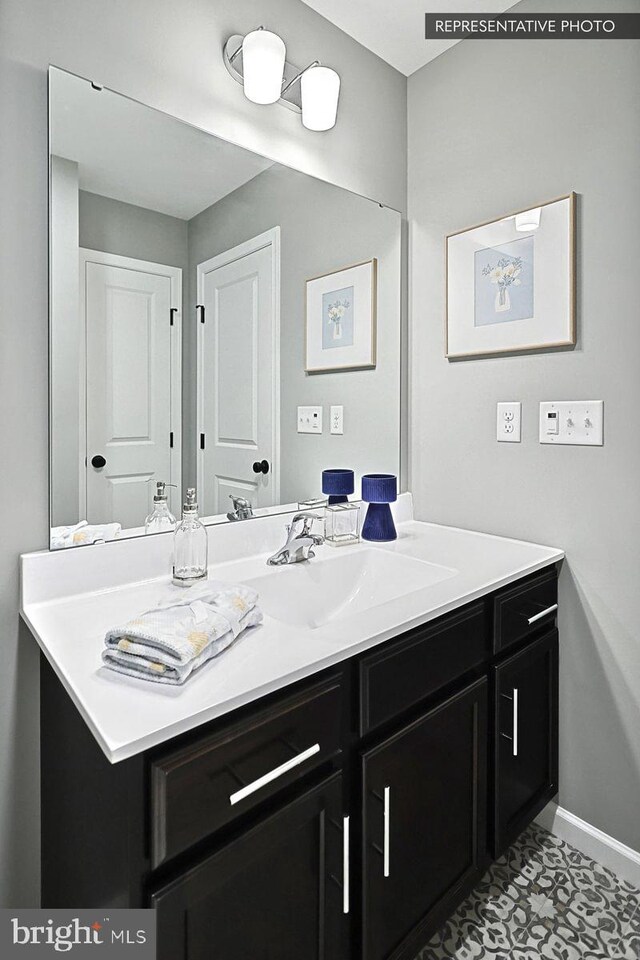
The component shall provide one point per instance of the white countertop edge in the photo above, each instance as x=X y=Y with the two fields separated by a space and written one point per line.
x=111 y=755
x=115 y=754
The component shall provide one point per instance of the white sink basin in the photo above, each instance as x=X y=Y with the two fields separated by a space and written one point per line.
x=313 y=593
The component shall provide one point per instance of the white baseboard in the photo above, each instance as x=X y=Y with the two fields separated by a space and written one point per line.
x=620 y=859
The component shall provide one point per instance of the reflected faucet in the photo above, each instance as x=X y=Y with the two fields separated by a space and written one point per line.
x=300 y=541
x=242 y=509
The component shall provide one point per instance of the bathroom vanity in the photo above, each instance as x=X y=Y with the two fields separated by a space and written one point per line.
x=333 y=784
x=340 y=808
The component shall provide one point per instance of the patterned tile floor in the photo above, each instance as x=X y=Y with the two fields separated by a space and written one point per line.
x=543 y=900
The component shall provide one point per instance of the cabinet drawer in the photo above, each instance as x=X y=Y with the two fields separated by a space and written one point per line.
x=524 y=609
x=201 y=787
x=392 y=680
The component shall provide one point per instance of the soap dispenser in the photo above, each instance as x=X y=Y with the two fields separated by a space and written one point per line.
x=190 y=546
x=161 y=518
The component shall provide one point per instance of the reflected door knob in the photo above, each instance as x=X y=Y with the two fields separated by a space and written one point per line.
x=98 y=461
x=261 y=466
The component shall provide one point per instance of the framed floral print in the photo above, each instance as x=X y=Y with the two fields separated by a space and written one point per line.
x=511 y=282
x=341 y=319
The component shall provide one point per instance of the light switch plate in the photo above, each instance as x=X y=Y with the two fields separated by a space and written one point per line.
x=575 y=421
x=309 y=419
x=336 y=420
x=508 y=420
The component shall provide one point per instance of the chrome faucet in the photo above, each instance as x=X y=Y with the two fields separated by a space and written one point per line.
x=300 y=541
x=242 y=509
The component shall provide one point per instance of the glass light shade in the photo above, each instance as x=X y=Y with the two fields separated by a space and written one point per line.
x=320 y=87
x=263 y=56
x=529 y=220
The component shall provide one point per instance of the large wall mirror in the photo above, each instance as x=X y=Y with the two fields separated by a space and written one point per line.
x=200 y=295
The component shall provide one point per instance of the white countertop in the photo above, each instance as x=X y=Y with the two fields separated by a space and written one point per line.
x=128 y=715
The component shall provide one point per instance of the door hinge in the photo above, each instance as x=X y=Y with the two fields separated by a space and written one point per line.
x=202 y=441
x=171 y=313
x=200 y=307
x=171 y=439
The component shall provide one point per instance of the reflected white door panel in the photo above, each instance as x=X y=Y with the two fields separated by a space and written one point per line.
x=238 y=377
x=132 y=384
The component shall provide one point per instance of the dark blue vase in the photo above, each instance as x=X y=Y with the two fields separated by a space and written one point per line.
x=338 y=484
x=379 y=490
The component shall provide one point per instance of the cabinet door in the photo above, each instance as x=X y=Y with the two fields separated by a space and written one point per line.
x=274 y=893
x=525 y=738
x=423 y=823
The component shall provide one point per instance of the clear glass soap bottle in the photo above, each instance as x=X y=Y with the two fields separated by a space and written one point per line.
x=190 y=547
x=161 y=518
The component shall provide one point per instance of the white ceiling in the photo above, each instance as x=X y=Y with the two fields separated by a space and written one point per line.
x=130 y=152
x=395 y=30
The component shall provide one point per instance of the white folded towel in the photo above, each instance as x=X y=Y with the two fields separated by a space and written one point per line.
x=166 y=644
x=83 y=532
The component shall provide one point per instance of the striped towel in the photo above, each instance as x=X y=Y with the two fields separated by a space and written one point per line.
x=166 y=644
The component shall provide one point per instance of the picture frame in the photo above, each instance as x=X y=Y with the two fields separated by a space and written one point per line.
x=340 y=319
x=509 y=289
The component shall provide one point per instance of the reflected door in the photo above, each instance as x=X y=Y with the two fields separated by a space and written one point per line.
x=238 y=389
x=132 y=384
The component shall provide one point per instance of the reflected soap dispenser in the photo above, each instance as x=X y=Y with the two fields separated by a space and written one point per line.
x=161 y=518
x=190 y=545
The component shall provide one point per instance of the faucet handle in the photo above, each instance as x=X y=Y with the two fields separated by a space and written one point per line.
x=307 y=520
x=242 y=508
x=239 y=502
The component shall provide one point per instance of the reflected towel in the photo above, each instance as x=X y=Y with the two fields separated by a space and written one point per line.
x=166 y=644
x=83 y=532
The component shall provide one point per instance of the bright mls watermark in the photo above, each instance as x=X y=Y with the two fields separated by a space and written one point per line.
x=532 y=26
x=78 y=933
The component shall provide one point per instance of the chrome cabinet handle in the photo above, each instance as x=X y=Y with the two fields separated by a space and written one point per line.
x=345 y=864
x=273 y=774
x=387 y=814
x=514 y=738
x=543 y=613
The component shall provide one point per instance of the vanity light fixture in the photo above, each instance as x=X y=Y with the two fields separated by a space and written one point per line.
x=529 y=220
x=258 y=62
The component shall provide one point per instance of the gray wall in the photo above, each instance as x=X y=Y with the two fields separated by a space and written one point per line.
x=322 y=228
x=165 y=54
x=497 y=126
x=130 y=231
x=65 y=342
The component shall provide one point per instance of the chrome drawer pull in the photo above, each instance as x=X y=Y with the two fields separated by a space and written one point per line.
x=543 y=613
x=273 y=774
x=345 y=864
x=387 y=798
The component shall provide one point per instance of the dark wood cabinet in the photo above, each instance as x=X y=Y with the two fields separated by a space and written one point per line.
x=344 y=818
x=423 y=821
x=274 y=893
x=525 y=737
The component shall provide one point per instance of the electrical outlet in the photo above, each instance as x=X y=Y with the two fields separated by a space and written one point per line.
x=337 y=420
x=508 y=422
x=309 y=419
